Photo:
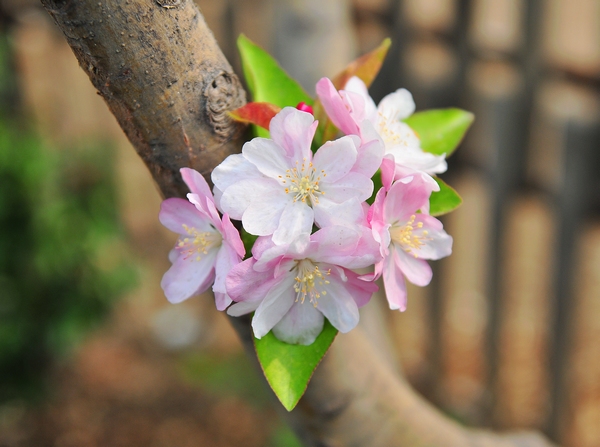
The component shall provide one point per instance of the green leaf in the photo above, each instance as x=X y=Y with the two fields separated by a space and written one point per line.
x=440 y=130
x=267 y=81
x=288 y=368
x=444 y=200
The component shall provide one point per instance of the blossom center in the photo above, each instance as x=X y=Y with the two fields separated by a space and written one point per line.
x=198 y=243
x=310 y=282
x=407 y=238
x=391 y=132
x=302 y=181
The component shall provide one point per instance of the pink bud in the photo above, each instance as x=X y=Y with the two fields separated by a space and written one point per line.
x=305 y=108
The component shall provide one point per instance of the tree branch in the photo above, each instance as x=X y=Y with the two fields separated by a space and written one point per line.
x=164 y=78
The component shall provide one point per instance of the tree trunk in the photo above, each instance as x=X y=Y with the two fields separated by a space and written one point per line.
x=166 y=81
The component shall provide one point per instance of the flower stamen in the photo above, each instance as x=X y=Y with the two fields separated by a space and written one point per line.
x=308 y=280
x=199 y=243
x=304 y=183
x=405 y=236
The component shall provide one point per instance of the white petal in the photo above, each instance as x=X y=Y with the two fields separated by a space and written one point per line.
x=397 y=106
x=335 y=158
x=276 y=304
x=301 y=325
x=416 y=158
x=268 y=157
x=238 y=197
x=338 y=306
x=348 y=213
x=188 y=277
x=263 y=215
x=352 y=185
x=296 y=219
x=233 y=169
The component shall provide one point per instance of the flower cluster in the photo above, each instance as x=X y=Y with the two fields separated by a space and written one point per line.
x=310 y=213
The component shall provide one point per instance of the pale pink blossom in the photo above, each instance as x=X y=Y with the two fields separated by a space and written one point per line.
x=352 y=108
x=277 y=187
x=207 y=248
x=407 y=236
x=292 y=288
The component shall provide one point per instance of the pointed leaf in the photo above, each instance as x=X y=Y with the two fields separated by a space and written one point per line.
x=288 y=368
x=267 y=81
x=258 y=113
x=365 y=67
x=440 y=130
x=444 y=200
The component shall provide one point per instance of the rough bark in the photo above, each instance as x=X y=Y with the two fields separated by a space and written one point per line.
x=164 y=78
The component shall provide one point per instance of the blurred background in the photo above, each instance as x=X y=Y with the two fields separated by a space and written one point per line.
x=507 y=335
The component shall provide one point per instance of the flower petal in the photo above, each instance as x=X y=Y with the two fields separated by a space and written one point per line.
x=335 y=107
x=268 y=157
x=338 y=305
x=238 y=196
x=231 y=170
x=352 y=185
x=226 y=259
x=263 y=215
x=405 y=197
x=301 y=325
x=416 y=270
x=195 y=182
x=397 y=106
x=296 y=219
x=293 y=130
x=393 y=281
x=175 y=212
x=188 y=277
x=276 y=304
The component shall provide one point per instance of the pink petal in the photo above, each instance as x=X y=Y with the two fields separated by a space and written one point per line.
x=335 y=108
x=175 y=212
x=301 y=325
x=370 y=152
x=438 y=243
x=188 y=277
x=393 y=281
x=195 y=182
x=404 y=198
x=231 y=236
x=293 y=130
x=275 y=305
x=416 y=270
x=226 y=259
x=243 y=283
x=242 y=308
x=357 y=86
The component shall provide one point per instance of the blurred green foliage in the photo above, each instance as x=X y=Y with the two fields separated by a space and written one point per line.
x=62 y=257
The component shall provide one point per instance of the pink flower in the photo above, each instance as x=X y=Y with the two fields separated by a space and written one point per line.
x=277 y=187
x=207 y=248
x=406 y=237
x=292 y=289
x=352 y=108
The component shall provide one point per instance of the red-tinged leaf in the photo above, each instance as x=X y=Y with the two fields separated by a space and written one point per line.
x=259 y=113
x=365 y=67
